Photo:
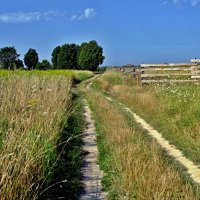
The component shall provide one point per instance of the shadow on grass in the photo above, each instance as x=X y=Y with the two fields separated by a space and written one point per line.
x=64 y=180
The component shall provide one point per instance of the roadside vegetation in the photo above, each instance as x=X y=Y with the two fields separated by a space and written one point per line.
x=173 y=109
x=135 y=166
x=40 y=126
x=74 y=75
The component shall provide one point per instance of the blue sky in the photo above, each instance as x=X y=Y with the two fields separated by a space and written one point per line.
x=130 y=31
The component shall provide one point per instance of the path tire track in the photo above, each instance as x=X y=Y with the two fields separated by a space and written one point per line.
x=91 y=174
x=192 y=170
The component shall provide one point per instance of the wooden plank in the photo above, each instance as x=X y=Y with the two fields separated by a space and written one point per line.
x=165 y=75
x=169 y=81
x=195 y=60
x=167 y=65
x=197 y=77
x=170 y=69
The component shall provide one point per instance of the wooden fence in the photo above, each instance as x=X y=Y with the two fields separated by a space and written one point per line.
x=162 y=73
x=175 y=73
x=124 y=70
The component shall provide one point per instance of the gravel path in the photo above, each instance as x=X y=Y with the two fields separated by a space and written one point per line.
x=91 y=174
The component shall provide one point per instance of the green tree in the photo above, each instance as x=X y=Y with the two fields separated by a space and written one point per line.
x=31 y=59
x=8 y=57
x=44 y=65
x=90 y=56
x=54 y=57
x=19 y=64
x=67 y=57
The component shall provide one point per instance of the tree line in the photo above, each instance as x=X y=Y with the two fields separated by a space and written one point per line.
x=87 y=56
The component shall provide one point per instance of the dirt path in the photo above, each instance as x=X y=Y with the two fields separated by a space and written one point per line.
x=92 y=175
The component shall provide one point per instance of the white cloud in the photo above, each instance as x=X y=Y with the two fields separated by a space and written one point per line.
x=22 y=17
x=191 y=2
x=50 y=14
x=88 y=13
x=194 y=2
x=164 y=3
x=177 y=1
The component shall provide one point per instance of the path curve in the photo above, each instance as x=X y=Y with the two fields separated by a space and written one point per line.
x=91 y=174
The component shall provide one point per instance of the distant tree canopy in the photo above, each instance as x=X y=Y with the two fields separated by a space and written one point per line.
x=19 y=64
x=88 y=56
x=54 y=58
x=67 y=57
x=8 y=58
x=44 y=65
x=31 y=59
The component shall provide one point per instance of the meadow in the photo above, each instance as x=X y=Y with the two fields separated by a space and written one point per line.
x=173 y=109
x=135 y=166
x=41 y=121
x=40 y=126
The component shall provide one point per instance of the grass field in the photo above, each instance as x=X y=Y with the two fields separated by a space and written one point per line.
x=173 y=109
x=40 y=123
x=135 y=166
x=76 y=75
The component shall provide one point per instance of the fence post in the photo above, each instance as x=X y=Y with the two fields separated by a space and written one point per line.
x=138 y=77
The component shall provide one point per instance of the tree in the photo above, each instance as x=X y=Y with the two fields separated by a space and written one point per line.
x=90 y=55
x=31 y=59
x=44 y=65
x=67 y=57
x=19 y=64
x=54 y=58
x=8 y=57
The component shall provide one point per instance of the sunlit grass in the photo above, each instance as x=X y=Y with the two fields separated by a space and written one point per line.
x=174 y=109
x=134 y=165
x=31 y=111
x=77 y=75
x=35 y=109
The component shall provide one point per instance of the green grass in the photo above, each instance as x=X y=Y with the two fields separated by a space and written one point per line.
x=69 y=163
x=77 y=75
x=40 y=123
x=173 y=109
x=135 y=166
x=31 y=111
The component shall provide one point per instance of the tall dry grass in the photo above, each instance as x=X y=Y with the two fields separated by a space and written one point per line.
x=173 y=109
x=32 y=112
x=134 y=165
